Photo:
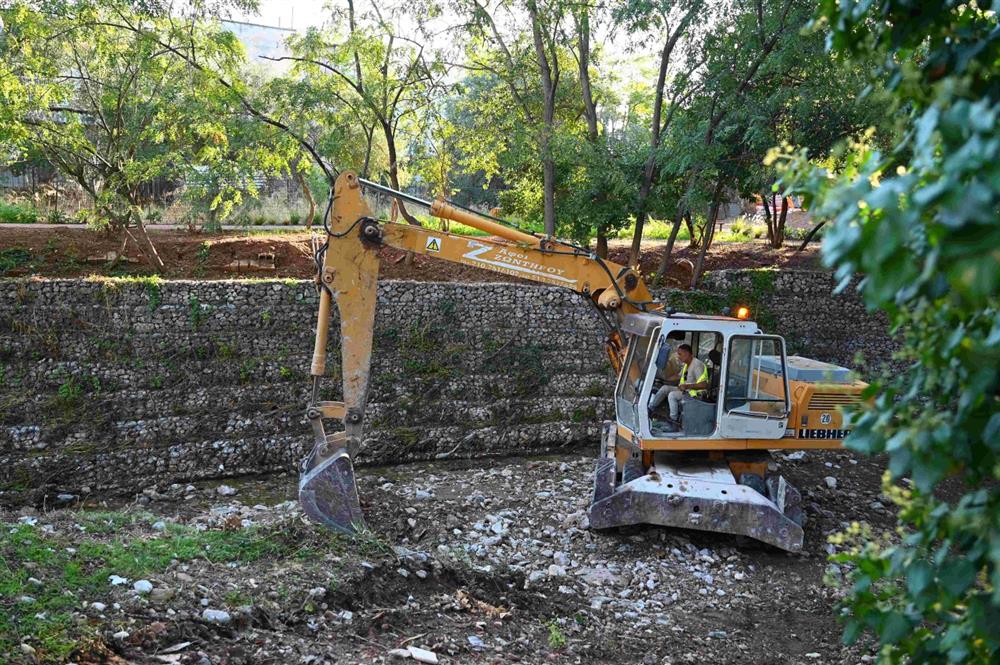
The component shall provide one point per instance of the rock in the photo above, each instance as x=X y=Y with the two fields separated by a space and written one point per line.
x=27 y=649
x=35 y=581
x=797 y=455
x=423 y=655
x=121 y=635
x=159 y=525
x=161 y=594
x=556 y=571
x=25 y=599
x=116 y=580
x=535 y=576
x=100 y=607
x=216 y=616
x=476 y=642
x=399 y=653
x=226 y=490
x=143 y=586
x=599 y=576
x=831 y=482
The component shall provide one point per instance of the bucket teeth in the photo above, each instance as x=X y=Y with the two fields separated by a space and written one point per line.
x=329 y=495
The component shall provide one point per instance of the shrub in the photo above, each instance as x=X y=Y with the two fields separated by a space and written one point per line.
x=12 y=213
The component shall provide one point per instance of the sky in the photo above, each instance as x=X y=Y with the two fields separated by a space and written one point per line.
x=297 y=14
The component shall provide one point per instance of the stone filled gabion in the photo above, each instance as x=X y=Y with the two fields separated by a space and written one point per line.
x=120 y=385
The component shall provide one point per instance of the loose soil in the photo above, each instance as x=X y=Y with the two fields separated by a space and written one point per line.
x=478 y=562
x=80 y=252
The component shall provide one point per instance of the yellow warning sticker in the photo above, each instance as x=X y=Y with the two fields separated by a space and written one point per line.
x=433 y=244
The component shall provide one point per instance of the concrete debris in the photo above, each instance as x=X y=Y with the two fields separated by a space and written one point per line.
x=216 y=616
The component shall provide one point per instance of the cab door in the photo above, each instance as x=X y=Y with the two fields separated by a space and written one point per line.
x=754 y=395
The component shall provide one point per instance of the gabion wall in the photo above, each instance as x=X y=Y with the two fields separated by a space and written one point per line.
x=120 y=385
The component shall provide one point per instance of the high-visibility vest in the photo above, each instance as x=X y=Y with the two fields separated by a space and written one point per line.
x=701 y=379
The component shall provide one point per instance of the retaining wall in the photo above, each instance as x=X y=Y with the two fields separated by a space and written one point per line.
x=125 y=384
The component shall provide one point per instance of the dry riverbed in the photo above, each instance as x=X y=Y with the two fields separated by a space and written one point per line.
x=466 y=562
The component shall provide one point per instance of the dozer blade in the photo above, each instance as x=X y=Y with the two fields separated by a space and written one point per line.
x=699 y=495
x=329 y=494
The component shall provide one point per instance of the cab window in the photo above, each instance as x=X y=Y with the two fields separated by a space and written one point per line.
x=631 y=384
x=755 y=381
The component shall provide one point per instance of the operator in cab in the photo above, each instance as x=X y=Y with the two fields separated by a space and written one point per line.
x=693 y=381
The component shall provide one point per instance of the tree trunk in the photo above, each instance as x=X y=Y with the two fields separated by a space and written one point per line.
x=152 y=256
x=713 y=213
x=809 y=236
x=548 y=122
x=301 y=180
x=692 y=238
x=779 y=226
x=768 y=219
x=650 y=171
x=390 y=143
x=661 y=272
x=602 y=244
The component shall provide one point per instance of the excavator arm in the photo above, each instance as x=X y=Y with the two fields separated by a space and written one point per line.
x=349 y=276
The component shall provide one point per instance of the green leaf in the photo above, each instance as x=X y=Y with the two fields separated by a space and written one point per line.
x=894 y=628
x=957 y=575
x=919 y=575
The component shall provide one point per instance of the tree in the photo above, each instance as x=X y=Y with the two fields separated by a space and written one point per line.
x=385 y=77
x=99 y=92
x=921 y=222
x=673 y=21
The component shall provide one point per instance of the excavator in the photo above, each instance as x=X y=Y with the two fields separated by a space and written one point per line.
x=710 y=469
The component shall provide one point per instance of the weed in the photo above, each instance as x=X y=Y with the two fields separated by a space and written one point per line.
x=195 y=312
x=204 y=249
x=224 y=351
x=556 y=638
x=285 y=373
x=246 y=369
x=236 y=598
x=583 y=415
x=69 y=392
x=13 y=257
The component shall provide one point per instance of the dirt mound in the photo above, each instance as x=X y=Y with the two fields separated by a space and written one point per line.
x=75 y=252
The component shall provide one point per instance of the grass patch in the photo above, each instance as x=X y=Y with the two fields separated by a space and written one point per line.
x=75 y=569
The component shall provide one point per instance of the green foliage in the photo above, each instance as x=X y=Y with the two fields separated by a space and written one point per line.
x=13 y=257
x=12 y=213
x=921 y=222
x=557 y=640
x=195 y=312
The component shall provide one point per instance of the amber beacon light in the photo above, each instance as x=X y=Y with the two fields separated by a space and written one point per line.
x=743 y=313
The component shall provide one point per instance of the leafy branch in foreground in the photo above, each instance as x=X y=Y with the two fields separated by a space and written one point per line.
x=921 y=222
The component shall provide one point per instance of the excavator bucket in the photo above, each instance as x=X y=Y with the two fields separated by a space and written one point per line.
x=329 y=495
x=349 y=277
